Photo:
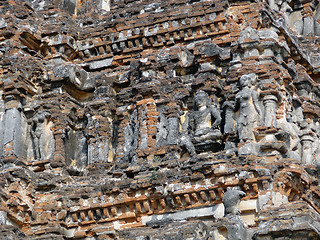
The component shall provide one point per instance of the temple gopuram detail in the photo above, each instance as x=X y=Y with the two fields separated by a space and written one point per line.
x=160 y=120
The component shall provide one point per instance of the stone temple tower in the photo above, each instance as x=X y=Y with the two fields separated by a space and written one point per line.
x=151 y=119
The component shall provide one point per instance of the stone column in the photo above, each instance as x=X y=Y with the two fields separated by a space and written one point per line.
x=307 y=142
x=270 y=108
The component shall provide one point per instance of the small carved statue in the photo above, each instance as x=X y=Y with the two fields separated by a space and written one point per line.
x=203 y=124
x=250 y=112
x=204 y=121
x=42 y=137
x=231 y=200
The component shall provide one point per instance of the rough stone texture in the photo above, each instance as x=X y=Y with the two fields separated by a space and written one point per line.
x=178 y=119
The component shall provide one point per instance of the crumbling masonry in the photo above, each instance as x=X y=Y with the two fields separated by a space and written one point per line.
x=150 y=119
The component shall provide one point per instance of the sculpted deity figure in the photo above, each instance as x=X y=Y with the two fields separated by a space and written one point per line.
x=205 y=119
x=250 y=112
x=42 y=137
x=202 y=125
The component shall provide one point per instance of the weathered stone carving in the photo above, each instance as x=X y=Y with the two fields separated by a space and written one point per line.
x=205 y=119
x=290 y=134
x=185 y=141
x=167 y=133
x=14 y=132
x=76 y=143
x=76 y=148
x=100 y=147
x=316 y=151
x=42 y=138
x=137 y=144
x=250 y=112
x=203 y=125
x=308 y=138
x=282 y=6
x=2 y=129
x=229 y=107
x=270 y=108
x=231 y=200
x=131 y=138
x=162 y=132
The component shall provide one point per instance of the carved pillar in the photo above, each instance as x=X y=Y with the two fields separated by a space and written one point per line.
x=307 y=142
x=229 y=126
x=270 y=109
x=59 y=152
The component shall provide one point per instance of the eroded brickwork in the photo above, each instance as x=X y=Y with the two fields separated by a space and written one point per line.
x=178 y=119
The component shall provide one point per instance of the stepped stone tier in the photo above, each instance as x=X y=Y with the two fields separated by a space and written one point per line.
x=151 y=119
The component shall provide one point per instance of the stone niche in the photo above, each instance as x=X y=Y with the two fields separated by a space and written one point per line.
x=76 y=149
x=40 y=141
x=75 y=140
x=13 y=133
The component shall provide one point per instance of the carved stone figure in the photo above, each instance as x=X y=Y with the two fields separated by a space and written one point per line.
x=308 y=138
x=290 y=130
x=250 y=112
x=205 y=119
x=231 y=200
x=228 y=107
x=162 y=131
x=100 y=148
x=43 y=142
x=202 y=125
x=185 y=141
x=131 y=139
x=76 y=148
